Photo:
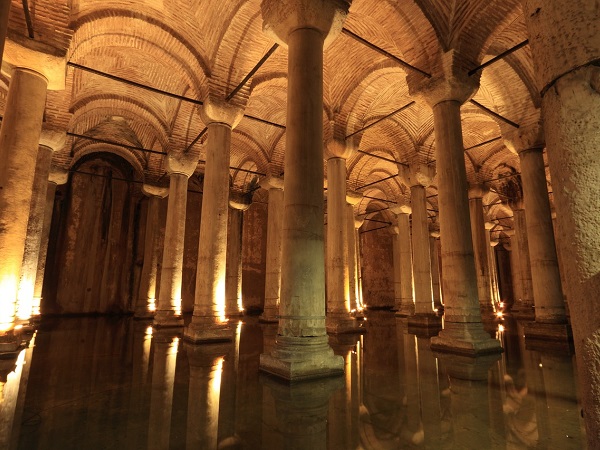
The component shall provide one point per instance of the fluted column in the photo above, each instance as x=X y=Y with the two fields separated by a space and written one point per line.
x=50 y=141
x=406 y=307
x=463 y=330
x=273 y=258
x=146 y=298
x=339 y=319
x=301 y=350
x=56 y=177
x=168 y=308
x=480 y=248
x=209 y=322
x=233 y=282
x=19 y=142
x=352 y=199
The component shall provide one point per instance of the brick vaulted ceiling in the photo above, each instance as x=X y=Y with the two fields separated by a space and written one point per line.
x=195 y=47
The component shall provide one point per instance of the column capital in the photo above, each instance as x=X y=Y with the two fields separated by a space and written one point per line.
x=353 y=197
x=271 y=182
x=477 y=190
x=282 y=17
x=20 y=52
x=394 y=230
x=453 y=84
x=58 y=175
x=434 y=229
x=154 y=191
x=217 y=110
x=490 y=225
x=494 y=242
x=182 y=163
x=401 y=209
x=358 y=221
x=336 y=148
x=239 y=201
x=510 y=233
x=53 y=139
x=416 y=174
x=526 y=137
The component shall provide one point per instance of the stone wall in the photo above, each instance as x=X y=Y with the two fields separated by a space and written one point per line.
x=377 y=268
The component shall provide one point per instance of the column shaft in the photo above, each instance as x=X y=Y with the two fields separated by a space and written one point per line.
x=35 y=226
x=407 y=306
x=44 y=240
x=146 y=299
x=209 y=321
x=547 y=288
x=434 y=245
x=352 y=259
x=526 y=300
x=397 y=272
x=480 y=248
x=273 y=257
x=4 y=14
x=421 y=252
x=168 y=308
x=19 y=141
x=233 y=283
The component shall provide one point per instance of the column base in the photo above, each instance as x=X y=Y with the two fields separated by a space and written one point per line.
x=465 y=338
x=473 y=368
x=268 y=319
x=9 y=346
x=143 y=314
x=522 y=312
x=302 y=358
x=167 y=319
x=343 y=323
x=545 y=337
x=425 y=321
x=406 y=311
x=205 y=329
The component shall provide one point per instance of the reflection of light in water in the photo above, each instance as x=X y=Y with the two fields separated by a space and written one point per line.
x=215 y=384
x=500 y=327
x=499 y=314
x=35 y=306
x=8 y=297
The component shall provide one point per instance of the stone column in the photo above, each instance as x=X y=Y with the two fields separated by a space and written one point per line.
x=358 y=222
x=515 y=266
x=418 y=176
x=273 y=258
x=146 y=299
x=407 y=303
x=481 y=249
x=395 y=232
x=209 y=322
x=434 y=248
x=233 y=271
x=56 y=177
x=463 y=330
x=352 y=199
x=524 y=306
x=339 y=319
x=49 y=142
x=301 y=350
x=168 y=308
x=528 y=142
x=491 y=245
x=4 y=14
x=19 y=142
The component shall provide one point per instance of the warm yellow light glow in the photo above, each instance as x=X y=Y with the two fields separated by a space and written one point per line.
x=500 y=327
x=151 y=304
x=149 y=331
x=18 y=327
x=36 y=306
x=25 y=298
x=501 y=304
x=499 y=314
x=8 y=299
x=220 y=297
x=174 y=346
x=240 y=304
x=215 y=383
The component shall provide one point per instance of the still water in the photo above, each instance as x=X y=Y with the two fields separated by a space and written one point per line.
x=106 y=383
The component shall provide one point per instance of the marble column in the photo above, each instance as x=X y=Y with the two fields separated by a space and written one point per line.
x=395 y=232
x=491 y=253
x=4 y=14
x=524 y=306
x=50 y=141
x=233 y=270
x=515 y=266
x=434 y=248
x=406 y=307
x=418 y=176
x=481 y=249
x=352 y=199
x=19 y=142
x=57 y=177
x=146 y=298
x=168 y=308
x=273 y=258
x=528 y=142
x=301 y=349
x=339 y=319
x=463 y=330
x=209 y=322
x=358 y=222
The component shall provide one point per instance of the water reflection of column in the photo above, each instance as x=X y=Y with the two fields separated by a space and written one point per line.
x=138 y=395
x=413 y=431
x=301 y=411
x=469 y=400
x=12 y=396
x=206 y=370
x=165 y=345
x=344 y=411
x=228 y=437
x=429 y=393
